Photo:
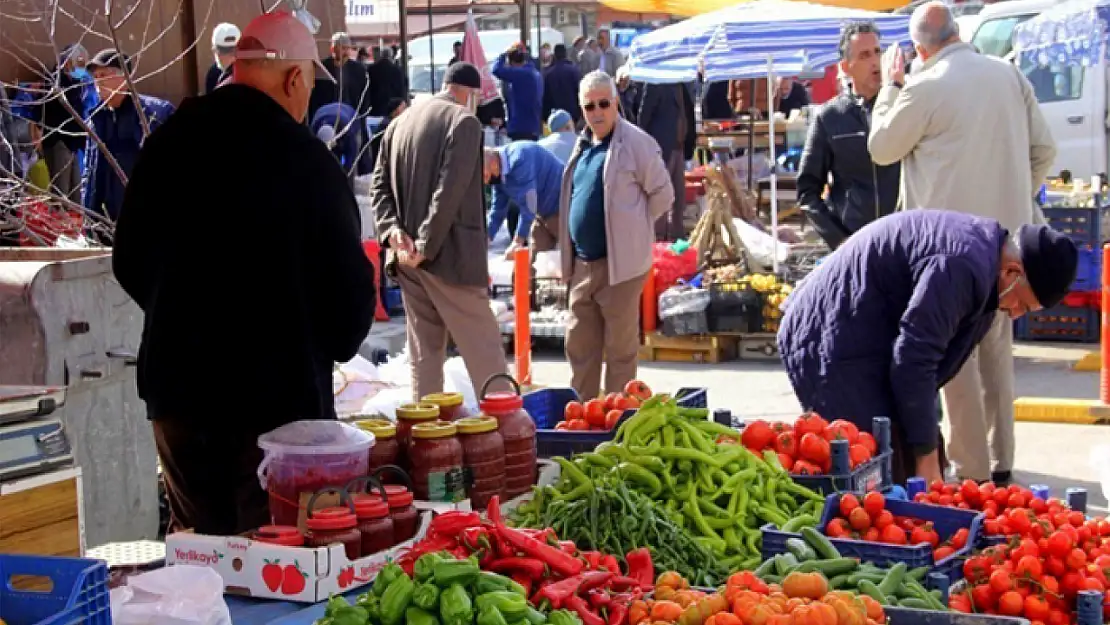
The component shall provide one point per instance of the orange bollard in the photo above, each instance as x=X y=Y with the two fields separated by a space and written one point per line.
x=649 y=304
x=522 y=308
x=1104 y=373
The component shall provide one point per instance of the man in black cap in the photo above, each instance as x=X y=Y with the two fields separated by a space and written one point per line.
x=118 y=124
x=888 y=319
x=427 y=195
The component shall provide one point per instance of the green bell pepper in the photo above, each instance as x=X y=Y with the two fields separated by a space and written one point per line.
x=455 y=607
x=563 y=617
x=385 y=577
x=426 y=596
x=490 y=616
x=448 y=572
x=351 y=615
x=372 y=604
x=425 y=567
x=492 y=582
x=509 y=604
x=334 y=604
x=416 y=616
x=397 y=598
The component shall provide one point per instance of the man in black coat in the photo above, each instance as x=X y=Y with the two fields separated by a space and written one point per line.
x=667 y=114
x=387 y=83
x=560 y=85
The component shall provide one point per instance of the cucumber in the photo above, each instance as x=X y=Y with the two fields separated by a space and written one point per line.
x=836 y=566
x=893 y=579
x=767 y=568
x=915 y=603
x=820 y=544
x=784 y=562
x=838 y=582
x=800 y=549
x=869 y=588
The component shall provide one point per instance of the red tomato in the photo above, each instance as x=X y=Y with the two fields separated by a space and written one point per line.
x=959 y=538
x=595 y=412
x=786 y=461
x=1011 y=603
x=808 y=423
x=838 y=528
x=574 y=410
x=637 y=389
x=859 y=520
x=813 y=448
x=842 y=429
x=858 y=454
x=1060 y=544
x=562 y=425
x=1001 y=581
x=872 y=535
x=578 y=425
x=868 y=441
x=924 y=534
x=757 y=435
x=893 y=534
x=942 y=553
x=983 y=597
x=1076 y=559
x=805 y=467
x=785 y=443
x=612 y=418
x=884 y=519
x=848 y=502
x=874 y=503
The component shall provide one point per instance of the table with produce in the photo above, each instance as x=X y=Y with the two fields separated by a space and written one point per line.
x=680 y=519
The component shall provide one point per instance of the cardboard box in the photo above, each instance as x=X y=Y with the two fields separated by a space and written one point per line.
x=301 y=574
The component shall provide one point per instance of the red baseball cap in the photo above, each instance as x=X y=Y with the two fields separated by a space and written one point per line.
x=279 y=36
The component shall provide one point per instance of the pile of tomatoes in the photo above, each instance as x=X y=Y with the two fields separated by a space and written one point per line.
x=803 y=448
x=869 y=520
x=603 y=414
x=1051 y=555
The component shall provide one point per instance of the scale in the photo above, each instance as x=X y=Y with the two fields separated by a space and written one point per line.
x=31 y=442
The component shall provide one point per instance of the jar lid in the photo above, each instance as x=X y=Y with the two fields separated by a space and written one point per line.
x=285 y=535
x=398 y=496
x=331 y=519
x=476 y=425
x=380 y=428
x=417 y=412
x=444 y=400
x=434 y=429
x=370 y=507
x=501 y=402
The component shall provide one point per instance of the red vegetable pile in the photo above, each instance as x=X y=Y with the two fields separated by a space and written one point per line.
x=871 y=521
x=553 y=572
x=803 y=448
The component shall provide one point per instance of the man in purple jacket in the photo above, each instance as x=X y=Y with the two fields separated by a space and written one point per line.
x=891 y=316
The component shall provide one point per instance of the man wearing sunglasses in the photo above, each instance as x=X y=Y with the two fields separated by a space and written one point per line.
x=891 y=317
x=614 y=188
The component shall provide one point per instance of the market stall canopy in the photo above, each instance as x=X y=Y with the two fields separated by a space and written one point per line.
x=737 y=42
x=1070 y=33
x=682 y=8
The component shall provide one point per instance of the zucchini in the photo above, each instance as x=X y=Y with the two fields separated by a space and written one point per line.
x=915 y=603
x=764 y=569
x=893 y=579
x=838 y=582
x=784 y=563
x=820 y=544
x=869 y=588
x=800 y=549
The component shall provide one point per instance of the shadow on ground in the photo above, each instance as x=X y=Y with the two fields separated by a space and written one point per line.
x=1096 y=499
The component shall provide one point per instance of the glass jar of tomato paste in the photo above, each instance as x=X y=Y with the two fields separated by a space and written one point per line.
x=386 y=449
x=284 y=535
x=517 y=429
x=337 y=524
x=409 y=415
x=483 y=459
x=374 y=523
x=406 y=518
x=436 y=458
x=450 y=405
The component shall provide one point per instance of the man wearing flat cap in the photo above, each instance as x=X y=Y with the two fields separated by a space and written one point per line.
x=428 y=198
x=892 y=316
x=119 y=126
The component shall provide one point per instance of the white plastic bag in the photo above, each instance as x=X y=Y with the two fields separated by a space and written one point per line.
x=174 y=595
x=547 y=264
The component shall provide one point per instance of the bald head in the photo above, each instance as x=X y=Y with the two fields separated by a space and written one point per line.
x=932 y=27
x=289 y=83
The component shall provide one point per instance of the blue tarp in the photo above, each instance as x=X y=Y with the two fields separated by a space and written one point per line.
x=735 y=43
x=1070 y=33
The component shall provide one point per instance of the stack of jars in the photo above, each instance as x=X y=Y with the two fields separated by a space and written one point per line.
x=518 y=431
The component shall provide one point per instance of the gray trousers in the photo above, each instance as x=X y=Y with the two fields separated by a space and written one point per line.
x=65 y=171
x=670 y=227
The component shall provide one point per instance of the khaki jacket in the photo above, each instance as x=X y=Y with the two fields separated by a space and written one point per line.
x=428 y=183
x=638 y=191
x=970 y=135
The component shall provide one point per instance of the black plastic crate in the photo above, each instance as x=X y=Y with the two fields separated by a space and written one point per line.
x=686 y=324
x=734 y=309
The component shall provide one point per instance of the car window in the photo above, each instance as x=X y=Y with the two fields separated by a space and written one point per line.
x=1054 y=82
x=996 y=37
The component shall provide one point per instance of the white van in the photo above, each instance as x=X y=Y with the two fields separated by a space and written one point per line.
x=1073 y=98
x=437 y=49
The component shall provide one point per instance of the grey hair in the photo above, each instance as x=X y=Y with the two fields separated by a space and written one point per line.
x=596 y=79
x=387 y=53
x=930 y=35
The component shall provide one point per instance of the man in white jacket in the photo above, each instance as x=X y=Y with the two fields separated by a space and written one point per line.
x=985 y=156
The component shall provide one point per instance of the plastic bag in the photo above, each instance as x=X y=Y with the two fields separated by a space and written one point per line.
x=174 y=595
x=547 y=264
x=679 y=300
x=670 y=267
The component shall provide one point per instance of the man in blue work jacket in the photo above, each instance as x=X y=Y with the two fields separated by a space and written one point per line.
x=118 y=125
x=528 y=175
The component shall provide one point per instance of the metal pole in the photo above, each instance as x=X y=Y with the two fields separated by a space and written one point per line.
x=524 y=28
x=774 y=180
x=431 y=49
x=403 y=33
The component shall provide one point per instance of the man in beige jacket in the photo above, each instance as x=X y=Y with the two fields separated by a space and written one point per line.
x=614 y=188
x=985 y=156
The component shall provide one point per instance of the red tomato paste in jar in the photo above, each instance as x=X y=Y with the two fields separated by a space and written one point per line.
x=284 y=535
x=436 y=461
x=518 y=430
x=483 y=457
x=450 y=405
x=406 y=518
x=334 y=525
x=409 y=415
x=386 y=449
x=374 y=523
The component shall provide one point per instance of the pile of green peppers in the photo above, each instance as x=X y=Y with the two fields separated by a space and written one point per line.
x=442 y=591
x=714 y=488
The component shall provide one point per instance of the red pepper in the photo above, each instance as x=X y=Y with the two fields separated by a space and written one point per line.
x=523 y=580
x=539 y=595
x=475 y=538
x=454 y=522
x=582 y=609
x=599 y=599
x=640 y=567
x=560 y=562
x=618 y=613
x=593 y=559
x=622 y=584
x=558 y=593
x=568 y=546
x=531 y=567
x=610 y=563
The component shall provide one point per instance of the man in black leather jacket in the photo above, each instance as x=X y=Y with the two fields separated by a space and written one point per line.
x=859 y=191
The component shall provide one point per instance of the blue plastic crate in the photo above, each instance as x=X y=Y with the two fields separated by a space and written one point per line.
x=908 y=616
x=546 y=407
x=1059 y=323
x=1088 y=274
x=76 y=593
x=393 y=304
x=1083 y=225
x=945 y=520
x=875 y=474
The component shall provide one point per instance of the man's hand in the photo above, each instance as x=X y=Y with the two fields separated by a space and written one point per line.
x=410 y=259
x=518 y=243
x=400 y=241
x=928 y=467
x=894 y=62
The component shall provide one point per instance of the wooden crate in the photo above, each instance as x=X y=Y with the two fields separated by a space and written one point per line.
x=41 y=515
x=758 y=346
x=709 y=348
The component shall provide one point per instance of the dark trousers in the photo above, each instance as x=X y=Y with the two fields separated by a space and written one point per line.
x=512 y=219
x=903 y=463
x=211 y=478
